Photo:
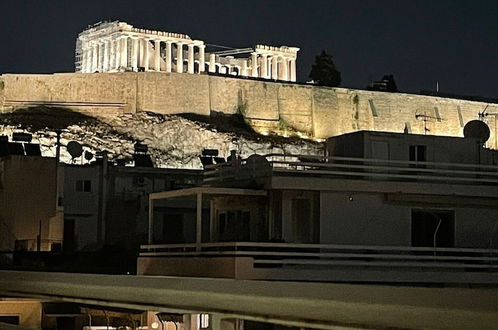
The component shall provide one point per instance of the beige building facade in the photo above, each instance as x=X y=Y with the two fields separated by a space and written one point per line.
x=30 y=219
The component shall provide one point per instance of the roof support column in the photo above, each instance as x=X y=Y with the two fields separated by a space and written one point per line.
x=293 y=70
x=95 y=56
x=274 y=68
x=146 y=54
x=168 y=56
x=100 y=65
x=134 y=54
x=212 y=63
x=264 y=66
x=117 y=53
x=243 y=70
x=198 y=223
x=254 y=63
x=202 y=58
x=105 y=61
x=190 y=58
x=151 y=221
x=124 y=52
x=84 y=59
x=285 y=69
x=157 y=55
x=179 y=57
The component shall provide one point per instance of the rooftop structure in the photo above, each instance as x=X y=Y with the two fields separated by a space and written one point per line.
x=118 y=46
x=380 y=207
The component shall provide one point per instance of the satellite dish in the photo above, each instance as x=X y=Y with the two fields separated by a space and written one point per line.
x=75 y=149
x=258 y=162
x=477 y=129
x=88 y=155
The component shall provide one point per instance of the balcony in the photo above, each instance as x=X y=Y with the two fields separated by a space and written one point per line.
x=261 y=168
x=322 y=262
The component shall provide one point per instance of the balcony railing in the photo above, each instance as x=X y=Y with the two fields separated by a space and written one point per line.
x=387 y=258
x=352 y=168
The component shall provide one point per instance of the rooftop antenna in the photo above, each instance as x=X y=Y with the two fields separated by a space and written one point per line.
x=425 y=118
x=483 y=113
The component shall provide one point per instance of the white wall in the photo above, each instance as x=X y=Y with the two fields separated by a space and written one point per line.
x=368 y=220
x=365 y=219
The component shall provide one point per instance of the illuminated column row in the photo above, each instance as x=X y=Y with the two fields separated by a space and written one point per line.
x=275 y=67
x=132 y=53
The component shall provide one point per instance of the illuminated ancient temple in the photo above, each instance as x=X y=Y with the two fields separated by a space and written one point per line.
x=120 y=47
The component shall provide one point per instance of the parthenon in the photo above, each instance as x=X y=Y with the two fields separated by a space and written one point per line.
x=120 y=47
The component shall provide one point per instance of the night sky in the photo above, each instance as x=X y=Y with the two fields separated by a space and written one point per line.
x=420 y=42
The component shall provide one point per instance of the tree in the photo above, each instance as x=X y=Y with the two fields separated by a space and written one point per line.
x=387 y=84
x=324 y=72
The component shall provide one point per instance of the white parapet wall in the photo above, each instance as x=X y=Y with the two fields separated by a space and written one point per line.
x=270 y=107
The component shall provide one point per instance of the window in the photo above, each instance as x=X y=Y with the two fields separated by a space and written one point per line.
x=418 y=153
x=83 y=185
x=234 y=226
x=10 y=319
x=302 y=220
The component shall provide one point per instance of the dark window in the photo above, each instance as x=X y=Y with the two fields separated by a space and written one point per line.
x=173 y=229
x=10 y=319
x=83 y=185
x=234 y=226
x=427 y=224
x=69 y=235
x=302 y=221
x=418 y=153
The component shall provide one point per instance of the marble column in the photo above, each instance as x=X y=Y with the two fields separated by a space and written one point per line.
x=202 y=58
x=84 y=60
x=134 y=54
x=274 y=68
x=243 y=70
x=101 y=57
x=140 y=52
x=190 y=65
x=212 y=63
x=157 y=55
x=264 y=66
x=293 y=69
x=124 y=52
x=117 y=53
x=95 y=58
x=179 y=57
x=146 y=54
x=254 y=63
x=168 y=56
x=105 y=62
x=285 y=69
x=112 y=54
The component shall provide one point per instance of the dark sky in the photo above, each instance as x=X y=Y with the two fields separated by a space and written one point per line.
x=420 y=42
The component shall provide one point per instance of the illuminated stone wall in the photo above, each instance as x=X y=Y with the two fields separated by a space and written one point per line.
x=282 y=108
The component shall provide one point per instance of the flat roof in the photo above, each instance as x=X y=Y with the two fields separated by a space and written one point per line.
x=206 y=191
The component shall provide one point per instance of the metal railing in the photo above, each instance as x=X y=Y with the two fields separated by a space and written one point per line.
x=354 y=168
x=328 y=255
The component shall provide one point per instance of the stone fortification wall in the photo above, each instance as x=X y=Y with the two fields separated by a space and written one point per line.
x=318 y=112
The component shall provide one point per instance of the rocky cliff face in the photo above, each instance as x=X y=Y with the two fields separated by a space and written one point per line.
x=173 y=141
